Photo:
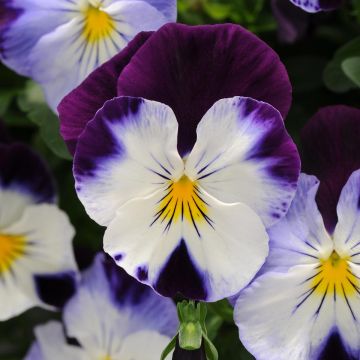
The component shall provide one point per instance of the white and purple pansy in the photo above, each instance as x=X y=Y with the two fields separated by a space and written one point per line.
x=111 y=317
x=313 y=6
x=59 y=42
x=188 y=178
x=306 y=302
x=37 y=266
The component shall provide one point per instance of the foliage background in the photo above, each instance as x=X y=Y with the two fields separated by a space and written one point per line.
x=320 y=73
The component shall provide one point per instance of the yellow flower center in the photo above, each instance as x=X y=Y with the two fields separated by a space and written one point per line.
x=335 y=277
x=98 y=24
x=183 y=200
x=12 y=247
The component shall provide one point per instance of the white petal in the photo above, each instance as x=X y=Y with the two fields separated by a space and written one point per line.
x=135 y=155
x=144 y=345
x=185 y=253
x=300 y=237
x=51 y=344
x=279 y=320
x=243 y=154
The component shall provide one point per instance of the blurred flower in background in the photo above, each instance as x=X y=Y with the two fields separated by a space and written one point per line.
x=111 y=316
x=313 y=6
x=35 y=235
x=58 y=43
x=306 y=303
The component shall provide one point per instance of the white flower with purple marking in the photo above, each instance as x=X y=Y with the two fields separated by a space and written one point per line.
x=59 y=42
x=111 y=317
x=37 y=266
x=306 y=303
x=313 y=6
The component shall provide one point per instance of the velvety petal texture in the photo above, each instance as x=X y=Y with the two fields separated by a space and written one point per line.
x=331 y=152
x=170 y=220
x=313 y=6
x=111 y=316
x=35 y=236
x=59 y=43
x=187 y=68
x=307 y=300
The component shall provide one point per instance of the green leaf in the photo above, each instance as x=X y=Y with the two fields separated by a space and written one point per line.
x=218 y=11
x=32 y=102
x=170 y=347
x=210 y=349
x=334 y=76
x=351 y=68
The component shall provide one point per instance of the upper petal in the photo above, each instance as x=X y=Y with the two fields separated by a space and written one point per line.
x=128 y=150
x=80 y=106
x=190 y=68
x=331 y=152
x=244 y=154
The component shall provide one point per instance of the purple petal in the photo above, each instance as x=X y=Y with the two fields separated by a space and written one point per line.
x=190 y=68
x=80 y=106
x=331 y=152
x=24 y=171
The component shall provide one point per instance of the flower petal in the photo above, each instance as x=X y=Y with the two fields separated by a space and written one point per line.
x=255 y=163
x=278 y=320
x=80 y=106
x=46 y=249
x=190 y=68
x=51 y=344
x=183 y=250
x=24 y=172
x=133 y=347
x=313 y=6
x=25 y=23
x=128 y=150
x=300 y=236
x=347 y=231
x=331 y=152
x=63 y=58
x=110 y=302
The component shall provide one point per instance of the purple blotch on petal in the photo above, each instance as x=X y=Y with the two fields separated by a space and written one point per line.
x=335 y=349
x=331 y=152
x=180 y=276
x=22 y=170
x=142 y=273
x=55 y=289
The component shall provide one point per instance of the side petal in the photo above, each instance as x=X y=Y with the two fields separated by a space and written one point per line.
x=279 y=320
x=331 y=152
x=51 y=344
x=347 y=231
x=183 y=251
x=300 y=237
x=189 y=68
x=25 y=23
x=24 y=172
x=80 y=105
x=167 y=7
x=256 y=162
x=127 y=150
x=313 y=6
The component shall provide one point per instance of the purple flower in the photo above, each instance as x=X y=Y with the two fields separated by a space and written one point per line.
x=306 y=302
x=58 y=43
x=35 y=235
x=111 y=316
x=186 y=180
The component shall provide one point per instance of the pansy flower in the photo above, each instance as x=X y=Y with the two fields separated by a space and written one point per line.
x=306 y=303
x=313 y=6
x=36 y=257
x=59 y=42
x=189 y=160
x=111 y=316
